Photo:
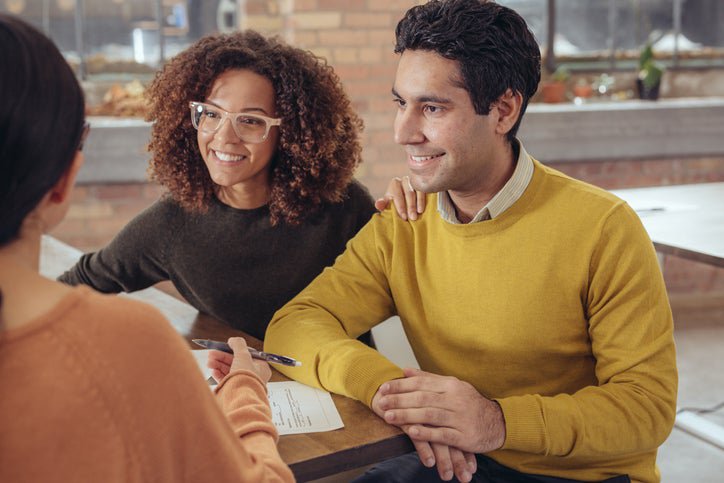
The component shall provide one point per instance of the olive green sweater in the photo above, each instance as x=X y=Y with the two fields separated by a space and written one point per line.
x=556 y=309
x=226 y=262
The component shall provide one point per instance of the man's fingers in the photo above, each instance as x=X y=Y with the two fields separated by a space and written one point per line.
x=438 y=435
x=417 y=381
x=409 y=400
x=460 y=465
x=424 y=452
x=443 y=461
x=430 y=416
x=472 y=462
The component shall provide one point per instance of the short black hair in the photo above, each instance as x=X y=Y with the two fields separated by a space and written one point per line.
x=493 y=45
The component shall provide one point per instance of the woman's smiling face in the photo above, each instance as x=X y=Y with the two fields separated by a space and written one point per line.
x=236 y=166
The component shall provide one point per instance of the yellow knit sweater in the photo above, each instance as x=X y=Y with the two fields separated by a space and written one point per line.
x=556 y=309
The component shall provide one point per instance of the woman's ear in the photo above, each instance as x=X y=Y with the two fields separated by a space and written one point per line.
x=63 y=187
x=508 y=106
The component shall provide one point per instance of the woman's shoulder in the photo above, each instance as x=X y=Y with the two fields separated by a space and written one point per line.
x=357 y=204
x=359 y=192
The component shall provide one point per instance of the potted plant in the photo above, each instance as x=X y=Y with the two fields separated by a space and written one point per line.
x=649 y=76
x=554 y=89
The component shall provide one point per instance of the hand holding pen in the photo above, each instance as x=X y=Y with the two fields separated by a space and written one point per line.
x=264 y=356
x=222 y=363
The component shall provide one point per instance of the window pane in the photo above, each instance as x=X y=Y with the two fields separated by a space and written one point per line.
x=702 y=20
x=534 y=13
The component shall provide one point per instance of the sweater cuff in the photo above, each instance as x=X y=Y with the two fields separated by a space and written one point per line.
x=524 y=424
x=258 y=383
x=361 y=374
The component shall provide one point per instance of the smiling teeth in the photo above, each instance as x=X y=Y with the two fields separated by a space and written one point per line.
x=420 y=159
x=228 y=158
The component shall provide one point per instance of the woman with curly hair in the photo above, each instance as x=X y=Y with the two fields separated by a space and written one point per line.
x=256 y=143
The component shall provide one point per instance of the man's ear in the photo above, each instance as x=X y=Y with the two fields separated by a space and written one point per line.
x=63 y=187
x=508 y=106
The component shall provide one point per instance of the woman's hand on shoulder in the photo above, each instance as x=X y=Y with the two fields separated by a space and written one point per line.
x=222 y=363
x=408 y=202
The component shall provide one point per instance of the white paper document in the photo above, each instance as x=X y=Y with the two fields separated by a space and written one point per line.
x=296 y=408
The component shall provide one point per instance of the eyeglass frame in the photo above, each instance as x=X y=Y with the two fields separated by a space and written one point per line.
x=83 y=135
x=269 y=122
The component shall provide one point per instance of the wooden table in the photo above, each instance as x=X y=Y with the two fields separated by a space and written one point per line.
x=686 y=221
x=365 y=438
x=683 y=220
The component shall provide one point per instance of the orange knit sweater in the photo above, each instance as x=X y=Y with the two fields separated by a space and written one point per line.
x=103 y=389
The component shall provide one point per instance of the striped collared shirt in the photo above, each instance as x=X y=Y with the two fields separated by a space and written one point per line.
x=503 y=199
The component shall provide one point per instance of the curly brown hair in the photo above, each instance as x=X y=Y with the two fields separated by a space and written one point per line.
x=319 y=145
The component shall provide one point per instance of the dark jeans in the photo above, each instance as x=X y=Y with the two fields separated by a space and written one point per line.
x=409 y=469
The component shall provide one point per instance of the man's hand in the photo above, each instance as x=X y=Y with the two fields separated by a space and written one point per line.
x=449 y=461
x=442 y=410
x=408 y=202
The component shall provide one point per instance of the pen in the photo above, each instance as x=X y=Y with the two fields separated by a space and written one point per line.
x=264 y=356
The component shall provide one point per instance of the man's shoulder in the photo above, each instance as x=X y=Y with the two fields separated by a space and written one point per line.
x=574 y=191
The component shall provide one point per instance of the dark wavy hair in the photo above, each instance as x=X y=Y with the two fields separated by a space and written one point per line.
x=493 y=45
x=319 y=145
x=41 y=120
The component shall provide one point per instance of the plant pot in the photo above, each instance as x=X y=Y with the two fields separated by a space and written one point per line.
x=647 y=93
x=554 y=92
x=583 y=90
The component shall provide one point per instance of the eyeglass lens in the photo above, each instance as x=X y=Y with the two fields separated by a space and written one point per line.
x=248 y=127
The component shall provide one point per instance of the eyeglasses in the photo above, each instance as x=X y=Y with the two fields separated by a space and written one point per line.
x=83 y=135
x=250 y=128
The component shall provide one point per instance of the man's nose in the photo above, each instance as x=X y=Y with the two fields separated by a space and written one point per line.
x=408 y=128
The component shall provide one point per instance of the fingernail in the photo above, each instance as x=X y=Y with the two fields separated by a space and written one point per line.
x=429 y=462
x=447 y=476
x=414 y=431
x=465 y=476
x=413 y=216
x=389 y=416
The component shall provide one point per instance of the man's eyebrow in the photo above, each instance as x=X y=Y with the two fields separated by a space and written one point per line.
x=425 y=98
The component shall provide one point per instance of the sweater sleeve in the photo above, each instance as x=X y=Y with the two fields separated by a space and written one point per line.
x=631 y=330
x=135 y=259
x=168 y=413
x=319 y=326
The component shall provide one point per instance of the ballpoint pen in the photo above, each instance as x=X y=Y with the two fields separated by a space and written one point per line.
x=264 y=356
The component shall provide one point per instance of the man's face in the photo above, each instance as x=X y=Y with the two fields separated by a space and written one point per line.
x=448 y=145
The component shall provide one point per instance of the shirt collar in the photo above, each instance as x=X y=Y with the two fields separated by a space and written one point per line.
x=503 y=199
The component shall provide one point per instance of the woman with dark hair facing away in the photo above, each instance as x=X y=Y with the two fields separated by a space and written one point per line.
x=76 y=364
x=256 y=143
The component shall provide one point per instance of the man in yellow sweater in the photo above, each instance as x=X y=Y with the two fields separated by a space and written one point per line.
x=533 y=302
